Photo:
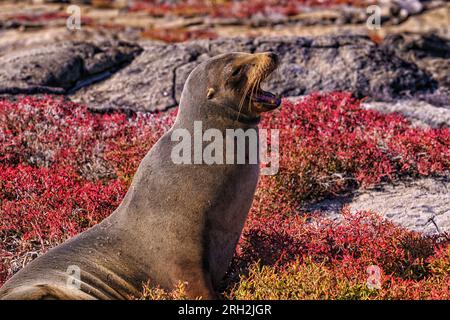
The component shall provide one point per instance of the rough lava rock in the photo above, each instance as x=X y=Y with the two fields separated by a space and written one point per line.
x=421 y=205
x=147 y=84
x=61 y=67
x=420 y=113
x=349 y=63
x=93 y=72
x=430 y=52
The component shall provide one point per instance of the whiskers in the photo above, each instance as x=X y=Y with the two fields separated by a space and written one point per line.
x=255 y=75
x=244 y=94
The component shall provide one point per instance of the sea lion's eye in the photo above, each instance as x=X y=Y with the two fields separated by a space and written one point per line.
x=236 y=71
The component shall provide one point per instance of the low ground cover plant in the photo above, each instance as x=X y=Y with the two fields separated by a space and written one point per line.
x=63 y=169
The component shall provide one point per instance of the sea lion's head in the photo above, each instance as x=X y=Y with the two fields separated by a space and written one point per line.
x=232 y=82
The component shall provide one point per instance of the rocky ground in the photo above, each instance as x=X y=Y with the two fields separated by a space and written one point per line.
x=420 y=205
x=116 y=63
x=102 y=73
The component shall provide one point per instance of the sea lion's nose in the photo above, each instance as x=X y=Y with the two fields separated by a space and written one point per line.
x=273 y=56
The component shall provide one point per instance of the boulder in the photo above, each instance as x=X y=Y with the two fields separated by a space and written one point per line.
x=420 y=113
x=421 y=205
x=154 y=80
x=428 y=51
x=61 y=67
x=149 y=75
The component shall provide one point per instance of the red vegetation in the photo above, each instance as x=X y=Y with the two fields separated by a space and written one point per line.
x=63 y=169
x=42 y=207
x=329 y=144
x=45 y=18
x=412 y=266
x=236 y=9
x=177 y=34
x=42 y=17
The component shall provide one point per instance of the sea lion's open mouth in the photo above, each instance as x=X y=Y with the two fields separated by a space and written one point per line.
x=265 y=100
x=262 y=100
x=257 y=70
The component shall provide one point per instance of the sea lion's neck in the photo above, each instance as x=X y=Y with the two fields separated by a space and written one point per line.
x=215 y=117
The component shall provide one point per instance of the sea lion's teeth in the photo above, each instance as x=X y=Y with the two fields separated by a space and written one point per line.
x=267 y=97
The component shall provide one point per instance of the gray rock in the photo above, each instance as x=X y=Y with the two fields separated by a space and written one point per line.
x=61 y=67
x=422 y=205
x=154 y=80
x=419 y=112
x=428 y=51
x=409 y=7
x=148 y=84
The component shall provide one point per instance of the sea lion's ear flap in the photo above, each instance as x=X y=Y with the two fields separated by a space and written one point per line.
x=210 y=93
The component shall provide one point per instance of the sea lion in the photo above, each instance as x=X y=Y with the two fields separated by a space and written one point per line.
x=177 y=222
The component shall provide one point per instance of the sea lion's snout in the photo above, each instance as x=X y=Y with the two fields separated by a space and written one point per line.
x=268 y=58
x=263 y=101
x=274 y=57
